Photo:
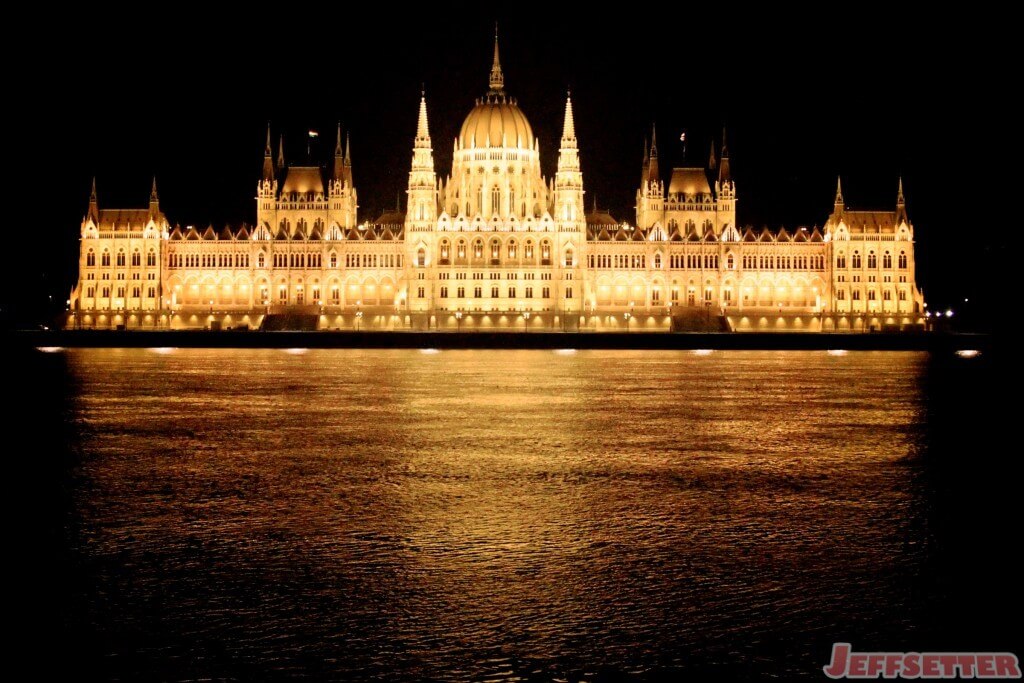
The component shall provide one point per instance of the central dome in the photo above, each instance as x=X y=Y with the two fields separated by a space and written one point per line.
x=496 y=121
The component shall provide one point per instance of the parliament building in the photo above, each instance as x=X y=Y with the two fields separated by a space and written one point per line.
x=494 y=245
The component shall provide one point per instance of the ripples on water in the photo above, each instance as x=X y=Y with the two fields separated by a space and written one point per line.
x=467 y=515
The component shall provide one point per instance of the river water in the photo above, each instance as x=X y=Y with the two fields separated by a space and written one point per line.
x=503 y=515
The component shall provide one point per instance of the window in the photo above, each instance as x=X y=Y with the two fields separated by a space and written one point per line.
x=872 y=260
x=419 y=292
x=707 y=293
x=495 y=200
x=478 y=292
x=903 y=260
x=105 y=259
x=871 y=295
x=444 y=292
x=545 y=253
x=856 y=295
x=335 y=294
x=887 y=260
x=120 y=258
x=528 y=250
x=136 y=258
x=568 y=292
x=529 y=292
x=106 y=292
x=494 y=291
x=333 y=260
x=545 y=292
x=136 y=291
x=729 y=262
x=315 y=293
x=856 y=259
x=478 y=249
x=495 y=250
x=903 y=295
x=462 y=292
x=727 y=295
x=90 y=258
x=657 y=260
x=512 y=292
x=841 y=260
x=655 y=295
x=675 y=294
x=282 y=294
x=90 y=292
x=512 y=249
x=421 y=258
x=840 y=294
x=444 y=251
x=887 y=295
x=568 y=257
x=120 y=292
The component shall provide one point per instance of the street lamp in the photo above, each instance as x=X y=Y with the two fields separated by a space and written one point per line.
x=458 y=320
x=526 y=317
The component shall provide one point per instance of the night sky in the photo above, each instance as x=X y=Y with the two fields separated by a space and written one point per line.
x=188 y=98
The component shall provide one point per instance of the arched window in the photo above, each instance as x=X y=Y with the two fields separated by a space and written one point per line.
x=512 y=249
x=261 y=260
x=461 y=249
x=151 y=258
x=334 y=260
x=872 y=260
x=730 y=263
x=545 y=252
x=136 y=258
x=903 y=260
x=887 y=260
x=421 y=257
x=478 y=249
x=856 y=259
x=445 y=250
x=568 y=257
x=495 y=200
x=120 y=257
x=90 y=258
x=495 y=250
x=528 y=249
x=511 y=201
x=657 y=260
x=841 y=260
x=673 y=225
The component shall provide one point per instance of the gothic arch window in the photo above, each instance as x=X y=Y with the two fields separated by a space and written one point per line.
x=136 y=258
x=887 y=260
x=495 y=200
x=478 y=249
x=445 y=251
x=730 y=262
x=512 y=249
x=90 y=258
x=461 y=249
x=261 y=260
x=657 y=260
x=856 y=259
x=903 y=260
x=528 y=249
x=673 y=225
x=872 y=260
x=120 y=257
x=840 y=260
x=421 y=257
x=495 y=250
x=333 y=260
x=545 y=250
x=568 y=257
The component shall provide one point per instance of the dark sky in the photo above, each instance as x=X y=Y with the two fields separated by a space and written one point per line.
x=870 y=97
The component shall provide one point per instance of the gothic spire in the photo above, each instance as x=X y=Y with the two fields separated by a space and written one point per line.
x=569 y=127
x=725 y=148
x=653 y=173
x=337 y=142
x=94 y=205
x=900 y=201
x=280 y=153
x=497 y=78
x=152 y=193
x=92 y=194
x=712 y=162
x=348 y=151
x=268 y=158
x=422 y=127
x=654 y=142
x=839 y=192
x=339 y=159
x=724 y=170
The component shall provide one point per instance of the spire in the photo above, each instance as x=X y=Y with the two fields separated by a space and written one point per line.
x=595 y=202
x=839 y=193
x=268 y=158
x=725 y=148
x=348 y=151
x=900 y=201
x=653 y=173
x=154 y=199
x=569 y=127
x=646 y=154
x=280 y=153
x=497 y=78
x=654 y=142
x=339 y=159
x=422 y=128
x=724 y=170
x=94 y=205
x=712 y=162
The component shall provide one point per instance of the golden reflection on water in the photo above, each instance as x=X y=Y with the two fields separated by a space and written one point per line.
x=469 y=506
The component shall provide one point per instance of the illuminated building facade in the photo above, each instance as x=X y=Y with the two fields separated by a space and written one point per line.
x=496 y=245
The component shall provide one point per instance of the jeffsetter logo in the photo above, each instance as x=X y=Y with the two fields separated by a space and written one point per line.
x=848 y=664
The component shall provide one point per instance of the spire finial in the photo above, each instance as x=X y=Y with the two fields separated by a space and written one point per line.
x=337 y=142
x=645 y=150
x=900 y=201
x=268 y=152
x=348 y=151
x=422 y=126
x=725 y=148
x=569 y=127
x=92 y=193
x=280 y=152
x=152 y=193
x=839 y=191
x=654 y=142
x=712 y=162
x=497 y=78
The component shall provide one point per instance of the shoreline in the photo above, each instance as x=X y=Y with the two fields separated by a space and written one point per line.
x=773 y=341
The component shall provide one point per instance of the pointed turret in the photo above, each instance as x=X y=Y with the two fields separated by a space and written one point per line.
x=347 y=174
x=712 y=162
x=497 y=78
x=94 y=204
x=422 y=126
x=900 y=201
x=653 y=174
x=338 y=171
x=422 y=193
x=901 y=204
x=839 y=194
x=280 y=154
x=154 y=199
x=568 y=179
x=569 y=125
x=268 y=158
x=724 y=170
